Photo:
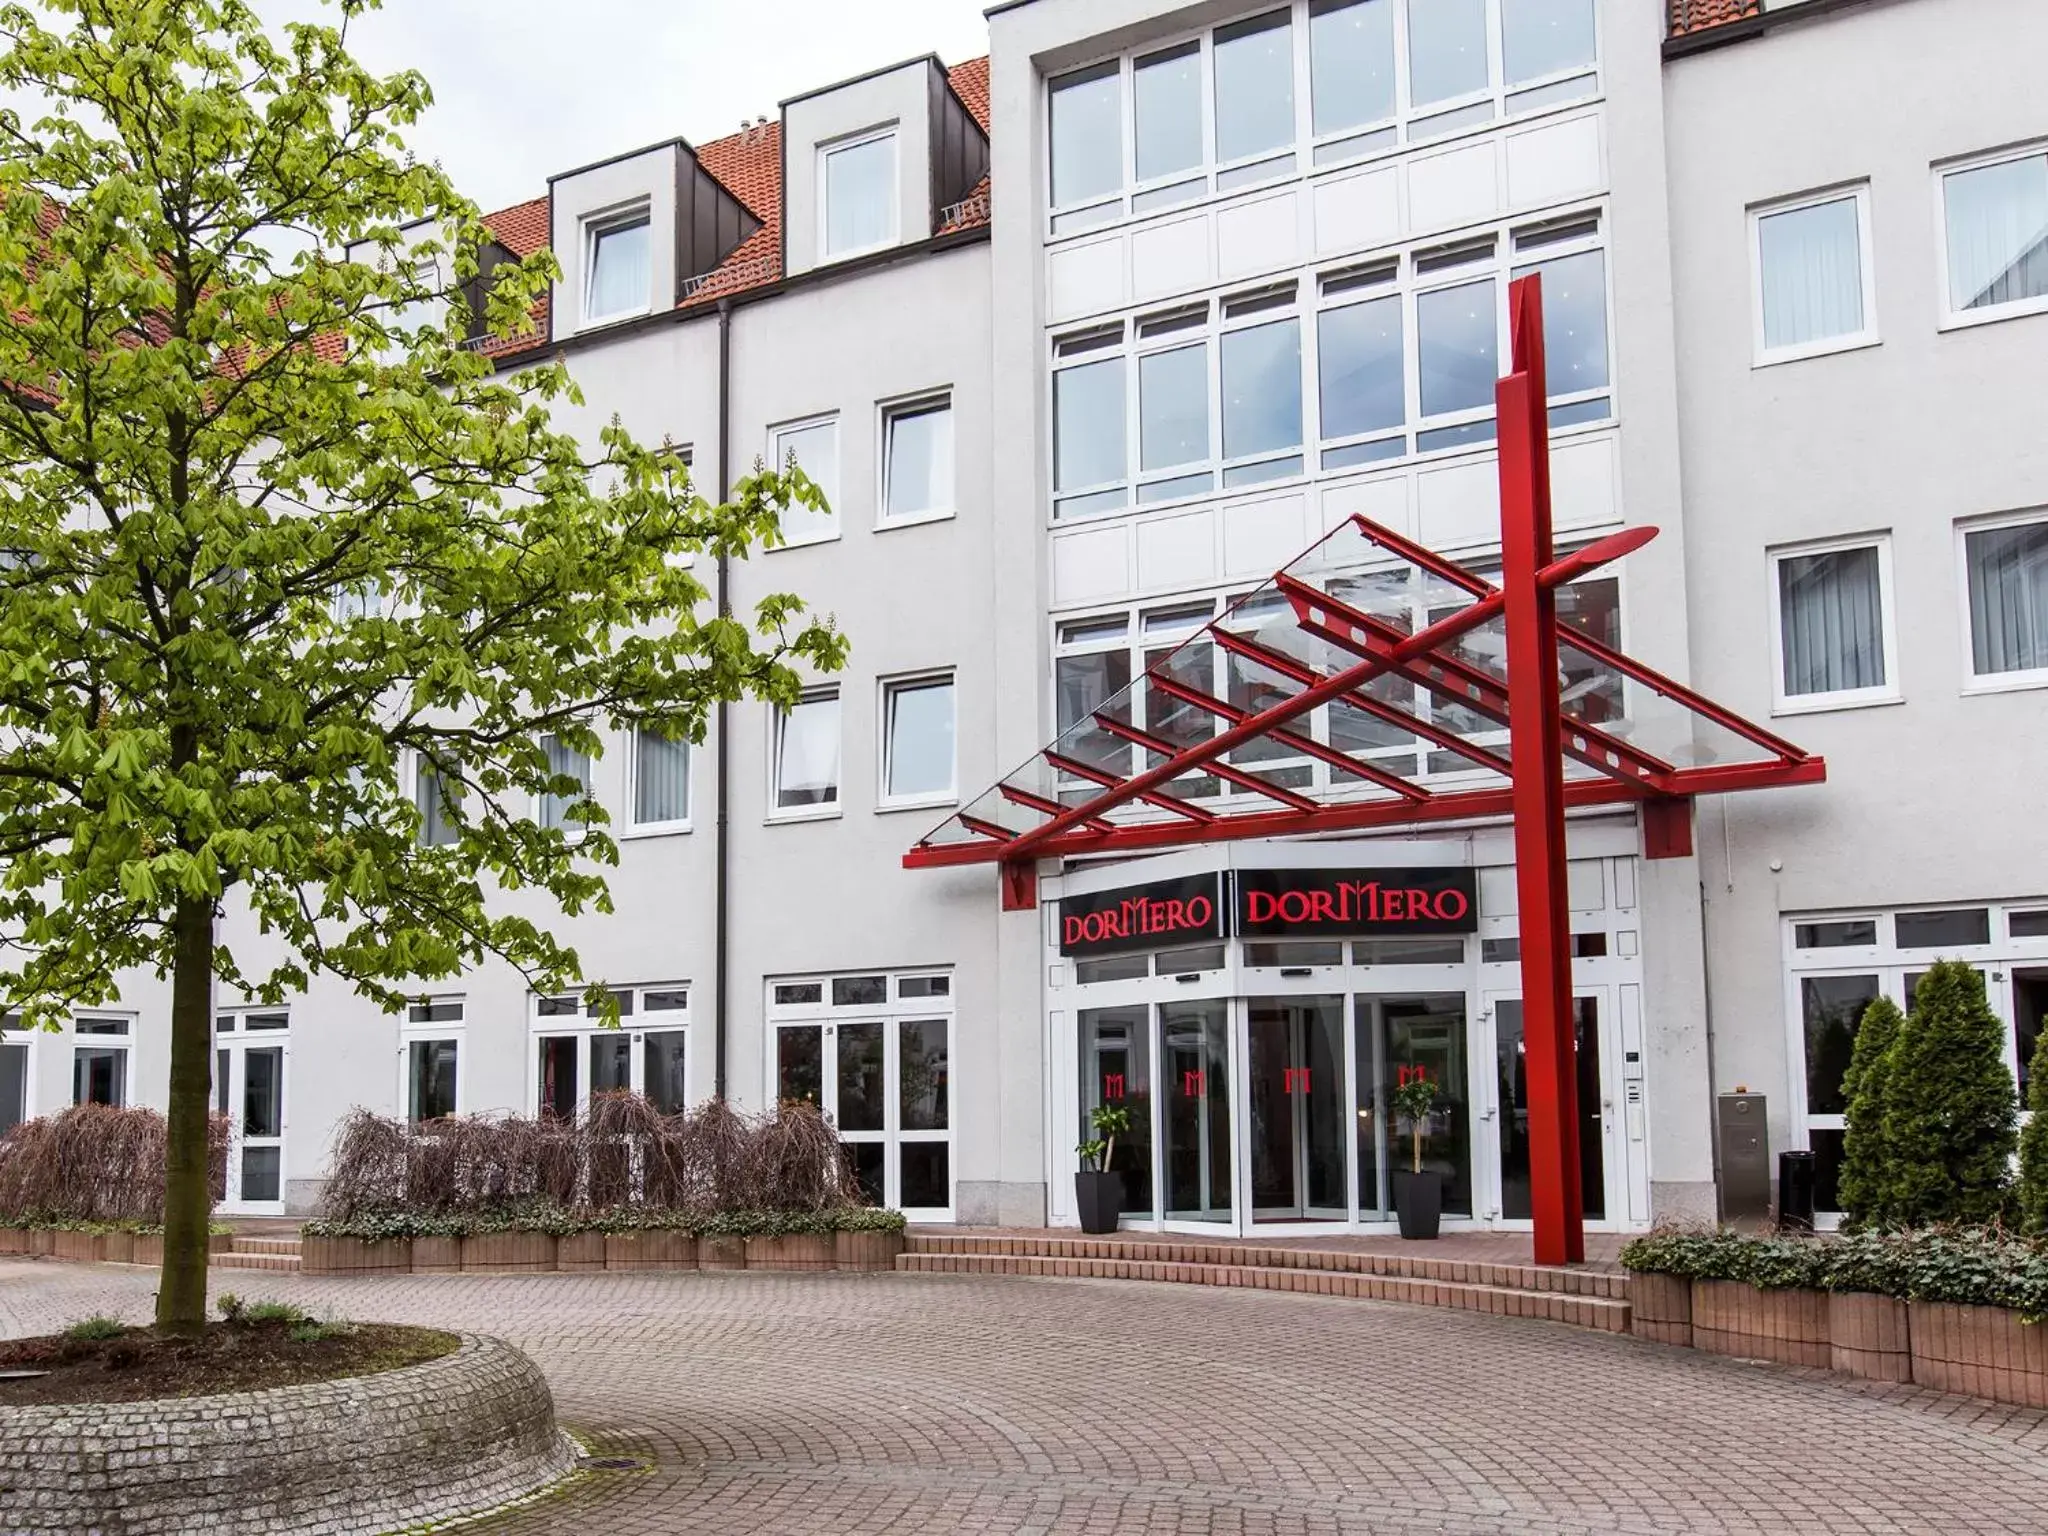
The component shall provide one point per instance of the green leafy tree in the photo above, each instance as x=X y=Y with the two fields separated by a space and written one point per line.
x=1866 y=1174
x=2033 y=1192
x=1949 y=1106
x=270 y=534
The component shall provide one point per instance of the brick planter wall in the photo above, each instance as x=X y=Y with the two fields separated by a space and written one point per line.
x=721 y=1253
x=1868 y=1336
x=149 y=1249
x=436 y=1255
x=793 y=1251
x=355 y=1256
x=499 y=1251
x=1984 y=1351
x=866 y=1250
x=1660 y=1308
x=13 y=1240
x=42 y=1241
x=1729 y=1318
x=650 y=1250
x=448 y=1437
x=584 y=1250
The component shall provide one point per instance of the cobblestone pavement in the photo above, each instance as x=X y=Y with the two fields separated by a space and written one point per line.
x=914 y=1403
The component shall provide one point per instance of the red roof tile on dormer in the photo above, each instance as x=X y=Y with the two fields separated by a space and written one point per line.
x=1688 y=16
x=748 y=164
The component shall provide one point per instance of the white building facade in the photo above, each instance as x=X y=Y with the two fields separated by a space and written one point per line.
x=1242 y=275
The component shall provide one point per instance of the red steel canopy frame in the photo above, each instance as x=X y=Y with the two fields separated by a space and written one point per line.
x=1374 y=683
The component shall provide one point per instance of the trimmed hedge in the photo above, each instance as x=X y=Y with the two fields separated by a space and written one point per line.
x=1967 y=1266
x=378 y=1226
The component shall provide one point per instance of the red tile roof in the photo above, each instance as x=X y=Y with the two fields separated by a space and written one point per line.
x=748 y=164
x=1689 y=16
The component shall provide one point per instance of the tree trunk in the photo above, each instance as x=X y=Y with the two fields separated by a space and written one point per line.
x=188 y=1187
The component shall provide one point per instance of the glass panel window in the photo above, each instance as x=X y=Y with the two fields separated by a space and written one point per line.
x=921 y=1074
x=430 y=1079
x=859 y=991
x=1842 y=933
x=1351 y=63
x=814 y=448
x=1082 y=685
x=1943 y=930
x=611 y=1062
x=263 y=1092
x=2007 y=572
x=13 y=1086
x=2030 y=925
x=863 y=1106
x=800 y=1063
x=1262 y=388
x=1088 y=425
x=661 y=780
x=564 y=762
x=558 y=1094
x=1254 y=86
x=621 y=268
x=1359 y=360
x=1167 y=109
x=860 y=195
x=99 y=1075
x=917 y=459
x=1545 y=37
x=1574 y=321
x=662 y=1070
x=1458 y=347
x=917 y=761
x=664 y=1000
x=1173 y=407
x=1087 y=134
x=432 y=796
x=1811 y=275
x=807 y=754
x=924 y=986
x=1831 y=1008
x=1831 y=623
x=1446 y=49
x=1997 y=228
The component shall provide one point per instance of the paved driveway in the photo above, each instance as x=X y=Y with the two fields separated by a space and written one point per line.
x=933 y=1403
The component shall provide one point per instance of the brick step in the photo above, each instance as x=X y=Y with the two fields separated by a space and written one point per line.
x=1606 y=1314
x=240 y=1244
x=270 y=1261
x=1598 y=1284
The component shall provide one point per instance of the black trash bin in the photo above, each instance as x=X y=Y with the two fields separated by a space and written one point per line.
x=1795 y=1191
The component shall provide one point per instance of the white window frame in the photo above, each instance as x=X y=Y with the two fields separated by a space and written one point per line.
x=1764 y=355
x=1783 y=703
x=1518 y=245
x=1953 y=319
x=890 y=132
x=886 y=691
x=1975 y=682
x=123 y=1042
x=411 y=1031
x=1437 y=124
x=629 y=789
x=887 y=413
x=584 y=1029
x=892 y=1012
x=611 y=221
x=16 y=1034
x=777 y=719
x=778 y=456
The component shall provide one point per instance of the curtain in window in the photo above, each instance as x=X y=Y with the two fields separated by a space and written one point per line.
x=1812 y=273
x=563 y=761
x=1832 y=615
x=433 y=796
x=1997 y=233
x=2008 y=599
x=621 y=277
x=661 y=779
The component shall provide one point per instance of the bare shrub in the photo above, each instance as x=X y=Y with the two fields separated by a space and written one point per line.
x=623 y=1154
x=94 y=1162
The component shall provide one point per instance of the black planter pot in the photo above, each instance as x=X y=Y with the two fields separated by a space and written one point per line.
x=1100 y=1197
x=1419 y=1202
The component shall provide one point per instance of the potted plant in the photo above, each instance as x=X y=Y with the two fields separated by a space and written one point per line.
x=1418 y=1191
x=1098 y=1191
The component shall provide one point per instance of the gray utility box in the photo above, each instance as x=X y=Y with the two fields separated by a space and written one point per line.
x=1745 y=1157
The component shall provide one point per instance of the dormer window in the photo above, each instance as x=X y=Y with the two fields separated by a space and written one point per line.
x=621 y=280
x=858 y=210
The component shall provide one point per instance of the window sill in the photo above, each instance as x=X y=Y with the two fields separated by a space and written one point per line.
x=918 y=803
x=598 y=322
x=1858 y=343
x=654 y=830
x=1970 y=319
x=2012 y=682
x=806 y=543
x=834 y=258
x=1830 y=703
x=916 y=519
x=830 y=812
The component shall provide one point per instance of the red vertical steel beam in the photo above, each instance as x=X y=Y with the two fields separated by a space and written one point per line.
x=1536 y=748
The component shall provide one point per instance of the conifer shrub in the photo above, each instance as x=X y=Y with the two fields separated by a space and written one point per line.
x=1866 y=1172
x=1950 y=1113
x=2033 y=1190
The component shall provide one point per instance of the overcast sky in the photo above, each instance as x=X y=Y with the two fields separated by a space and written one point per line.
x=523 y=88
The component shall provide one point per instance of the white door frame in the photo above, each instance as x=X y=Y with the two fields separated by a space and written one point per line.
x=231 y=1097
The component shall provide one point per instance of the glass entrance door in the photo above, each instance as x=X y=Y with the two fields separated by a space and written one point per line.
x=1508 y=1112
x=1195 y=1112
x=1397 y=1037
x=1294 y=1086
x=884 y=1084
x=249 y=1088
